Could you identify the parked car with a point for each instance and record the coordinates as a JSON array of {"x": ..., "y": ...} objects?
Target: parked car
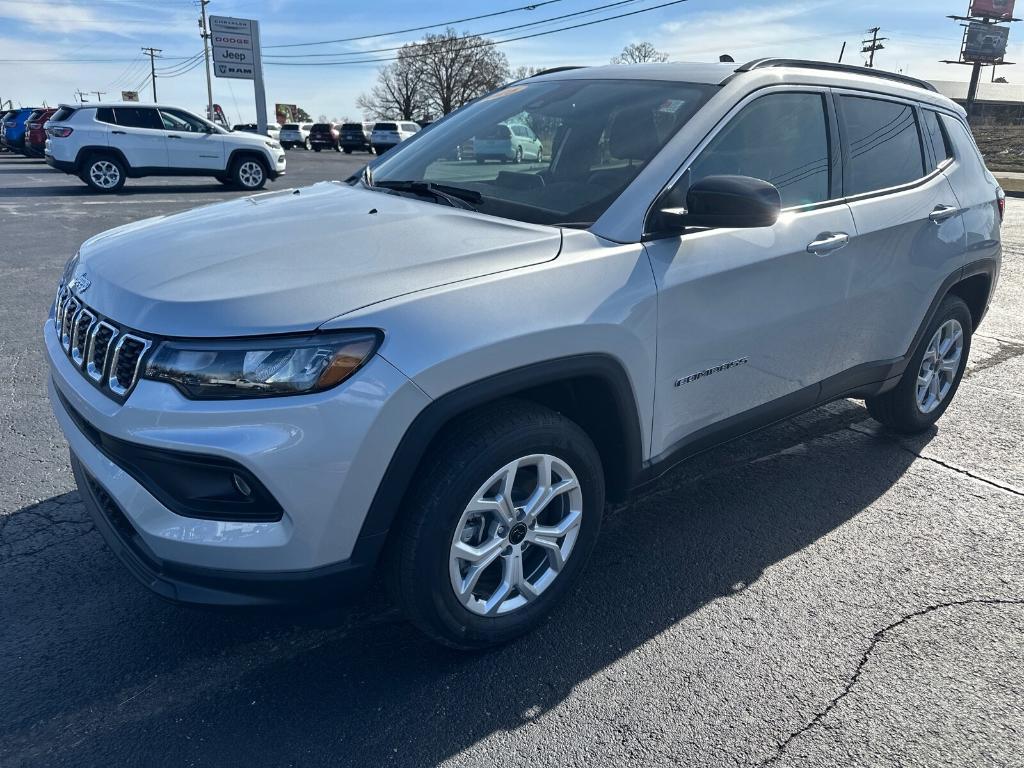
[
  {"x": 388, "y": 135},
  {"x": 258, "y": 416},
  {"x": 273, "y": 130},
  {"x": 104, "y": 144},
  {"x": 296, "y": 135},
  {"x": 508, "y": 143},
  {"x": 4, "y": 115},
  {"x": 355, "y": 137},
  {"x": 35, "y": 133},
  {"x": 325, "y": 136},
  {"x": 15, "y": 127}
]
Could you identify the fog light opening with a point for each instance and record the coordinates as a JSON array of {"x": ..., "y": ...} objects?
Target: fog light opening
[{"x": 241, "y": 486}]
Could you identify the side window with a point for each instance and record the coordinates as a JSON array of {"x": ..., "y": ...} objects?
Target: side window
[
  {"x": 174, "y": 120},
  {"x": 137, "y": 117},
  {"x": 105, "y": 115},
  {"x": 966, "y": 150},
  {"x": 781, "y": 138},
  {"x": 936, "y": 136},
  {"x": 885, "y": 146}
]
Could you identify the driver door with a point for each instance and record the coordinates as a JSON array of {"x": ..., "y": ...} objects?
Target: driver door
[
  {"x": 750, "y": 320},
  {"x": 190, "y": 144}
]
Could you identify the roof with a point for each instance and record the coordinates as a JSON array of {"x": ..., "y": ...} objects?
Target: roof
[
  {"x": 690, "y": 72},
  {"x": 994, "y": 93}
]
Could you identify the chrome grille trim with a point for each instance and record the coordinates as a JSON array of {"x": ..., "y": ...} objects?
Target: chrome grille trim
[
  {"x": 79, "y": 337},
  {"x": 94, "y": 373},
  {"x": 112, "y": 381},
  {"x": 79, "y": 329}
]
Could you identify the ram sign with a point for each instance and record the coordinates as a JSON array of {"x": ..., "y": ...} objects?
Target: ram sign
[
  {"x": 992, "y": 9},
  {"x": 985, "y": 43}
]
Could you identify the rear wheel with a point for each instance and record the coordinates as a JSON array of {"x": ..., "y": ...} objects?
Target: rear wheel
[
  {"x": 104, "y": 173},
  {"x": 249, "y": 173},
  {"x": 933, "y": 374},
  {"x": 347, "y": 151},
  {"x": 519, "y": 155},
  {"x": 316, "y": 149},
  {"x": 502, "y": 521},
  {"x": 307, "y": 144}
]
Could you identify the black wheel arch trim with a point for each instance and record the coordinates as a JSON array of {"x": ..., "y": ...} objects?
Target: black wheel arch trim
[
  {"x": 85, "y": 152},
  {"x": 432, "y": 419}
]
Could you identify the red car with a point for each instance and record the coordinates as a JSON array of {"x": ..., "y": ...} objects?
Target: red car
[{"x": 35, "y": 136}]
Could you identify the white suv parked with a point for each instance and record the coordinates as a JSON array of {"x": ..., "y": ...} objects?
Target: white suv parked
[
  {"x": 296, "y": 135},
  {"x": 444, "y": 369},
  {"x": 104, "y": 144},
  {"x": 389, "y": 134}
]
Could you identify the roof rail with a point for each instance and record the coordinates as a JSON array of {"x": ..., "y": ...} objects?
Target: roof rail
[
  {"x": 830, "y": 67},
  {"x": 553, "y": 70}
]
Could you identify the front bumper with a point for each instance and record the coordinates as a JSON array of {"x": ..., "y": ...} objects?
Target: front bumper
[{"x": 321, "y": 456}]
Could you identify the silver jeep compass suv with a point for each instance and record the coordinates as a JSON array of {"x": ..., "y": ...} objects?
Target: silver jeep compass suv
[{"x": 445, "y": 369}]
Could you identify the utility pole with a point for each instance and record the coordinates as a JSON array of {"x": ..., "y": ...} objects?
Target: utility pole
[
  {"x": 205, "y": 34},
  {"x": 842, "y": 51},
  {"x": 99, "y": 94},
  {"x": 152, "y": 66},
  {"x": 872, "y": 45},
  {"x": 81, "y": 96}
]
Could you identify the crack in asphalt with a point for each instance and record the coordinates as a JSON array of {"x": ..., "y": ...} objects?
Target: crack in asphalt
[
  {"x": 782, "y": 746},
  {"x": 1008, "y": 350}
]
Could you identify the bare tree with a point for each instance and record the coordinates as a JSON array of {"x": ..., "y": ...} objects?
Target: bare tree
[
  {"x": 456, "y": 69},
  {"x": 398, "y": 93},
  {"x": 639, "y": 53},
  {"x": 523, "y": 72}
]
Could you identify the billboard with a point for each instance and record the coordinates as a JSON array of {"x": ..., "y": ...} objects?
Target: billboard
[
  {"x": 286, "y": 113},
  {"x": 985, "y": 43},
  {"x": 992, "y": 9},
  {"x": 129, "y": 95}
]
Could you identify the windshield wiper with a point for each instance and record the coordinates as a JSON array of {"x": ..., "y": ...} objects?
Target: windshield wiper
[{"x": 457, "y": 197}]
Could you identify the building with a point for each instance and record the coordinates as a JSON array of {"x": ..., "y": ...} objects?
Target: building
[{"x": 996, "y": 103}]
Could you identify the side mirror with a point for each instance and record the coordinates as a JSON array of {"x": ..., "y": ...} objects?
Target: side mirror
[{"x": 727, "y": 202}]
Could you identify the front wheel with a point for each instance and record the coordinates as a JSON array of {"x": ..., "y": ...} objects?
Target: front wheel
[
  {"x": 249, "y": 174},
  {"x": 503, "y": 520},
  {"x": 933, "y": 374}
]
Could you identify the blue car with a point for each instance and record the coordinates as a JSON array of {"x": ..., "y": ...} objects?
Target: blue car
[{"x": 14, "y": 129}]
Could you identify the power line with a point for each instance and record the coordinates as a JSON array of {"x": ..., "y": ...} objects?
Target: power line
[
  {"x": 584, "y": 12},
  {"x": 531, "y": 7},
  {"x": 482, "y": 44}
]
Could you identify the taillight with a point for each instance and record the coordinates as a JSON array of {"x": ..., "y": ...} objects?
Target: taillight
[
  {"x": 1001, "y": 202},
  {"x": 33, "y": 126},
  {"x": 61, "y": 132}
]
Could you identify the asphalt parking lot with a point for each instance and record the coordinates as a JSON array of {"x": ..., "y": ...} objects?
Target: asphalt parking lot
[{"x": 818, "y": 594}]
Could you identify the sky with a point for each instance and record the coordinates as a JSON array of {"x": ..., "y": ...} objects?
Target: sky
[{"x": 51, "y": 48}]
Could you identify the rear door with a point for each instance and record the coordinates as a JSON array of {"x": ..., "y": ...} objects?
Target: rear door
[
  {"x": 748, "y": 319},
  {"x": 190, "y": 143},
  {"x": 138, "y": 133},
  {"x": 909, "y": 232}
]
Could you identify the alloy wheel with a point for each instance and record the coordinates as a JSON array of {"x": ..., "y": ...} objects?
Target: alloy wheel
[
  {"x": 104, "y": 174},
  {"x": 940, "y": 366},
  {"x": 514, "y": 538},
  {"x": 250, "y": 173}
]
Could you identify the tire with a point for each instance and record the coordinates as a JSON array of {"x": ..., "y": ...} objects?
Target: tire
[
  {"x": 244, "y": 174},
  {"x": 468, "y": 463},
  {"x": 540, "y": 155},
  {"x": 337, "y": 147},
  {"x": 907, "y": 409},
  {"x": 347, "y": 151},
  {"x": 307, "y": 145},
  {"x": 285, "y": 145},
  {"x": 519, "y": 156},
  {"x": 316, "y": 149},
  {"x": 104, "y": 173}
]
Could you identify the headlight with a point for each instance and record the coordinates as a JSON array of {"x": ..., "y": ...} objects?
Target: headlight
[
  {"x": 261, "y": 367},
  {"x": 272, "y": 144}
]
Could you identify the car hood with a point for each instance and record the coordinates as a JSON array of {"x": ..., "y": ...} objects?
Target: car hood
[{"x": 291, "y": 260}]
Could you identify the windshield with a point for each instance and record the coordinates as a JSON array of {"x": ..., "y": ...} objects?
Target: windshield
[{"x": 550, "y": 152}]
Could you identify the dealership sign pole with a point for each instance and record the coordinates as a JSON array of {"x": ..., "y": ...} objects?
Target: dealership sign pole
[
  {"x": 985, "y": 40},
  {"x": 236, "y": 55}
]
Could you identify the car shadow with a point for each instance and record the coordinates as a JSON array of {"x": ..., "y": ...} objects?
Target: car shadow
[
  {"x": 359, "y": 686},
  {"x": 129, "y": 190}
]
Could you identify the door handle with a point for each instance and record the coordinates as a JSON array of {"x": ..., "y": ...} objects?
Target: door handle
[
  {"x": 943, "y": 212},
  {"x": 827, "y": 242},
  {"x": 119, "y": 133},
  {"x": 173, "y": 136}
]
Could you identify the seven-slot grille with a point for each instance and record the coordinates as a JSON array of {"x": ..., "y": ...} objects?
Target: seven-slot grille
[{"x": 109, "y": 356}]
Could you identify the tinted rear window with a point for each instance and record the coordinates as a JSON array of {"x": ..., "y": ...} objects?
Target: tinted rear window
[
  {"x": 106, "y": 115},
  {"x": 936, "y": 136},
  {"x": 385, "y": 127},
  {"x": 290, "y": 127},
  {"x": 137, "y": 117},
  {"x": 322, "y": 127},
  {"x": 351, "y": 127},
  {"x": 885, "y": 147},
  {"x": 63, "y": 113}
]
